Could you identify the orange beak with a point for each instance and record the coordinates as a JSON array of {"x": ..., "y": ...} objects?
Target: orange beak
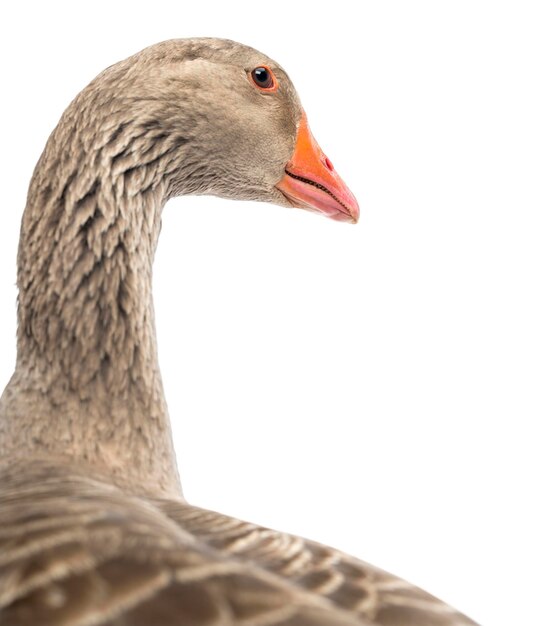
[{"x": 311, "y": 182}]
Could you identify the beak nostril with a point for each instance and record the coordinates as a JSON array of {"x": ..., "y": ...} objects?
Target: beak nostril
[{"x": 328, "y": 164}]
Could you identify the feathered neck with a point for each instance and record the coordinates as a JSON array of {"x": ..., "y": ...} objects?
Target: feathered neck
[{"x": 87, "y": 385}]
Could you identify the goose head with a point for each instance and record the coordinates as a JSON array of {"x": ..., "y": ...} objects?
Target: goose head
[
  {"x": 235, "y": 119},
  {"x": 183, "y": 117}
]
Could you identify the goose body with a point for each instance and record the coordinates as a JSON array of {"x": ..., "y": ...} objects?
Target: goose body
[{"x": 94, "y": 529}]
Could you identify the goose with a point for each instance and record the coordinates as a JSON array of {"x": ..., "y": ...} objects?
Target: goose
[{"x": 94, "y": 528}]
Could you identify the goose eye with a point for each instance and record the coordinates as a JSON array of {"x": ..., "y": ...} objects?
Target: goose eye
[{"x": 264, "y": 78}]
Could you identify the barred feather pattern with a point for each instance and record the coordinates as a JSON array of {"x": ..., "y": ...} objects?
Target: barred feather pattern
[{"x": 77, "y": 551}]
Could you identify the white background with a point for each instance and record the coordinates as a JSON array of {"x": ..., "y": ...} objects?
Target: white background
[{"x": 367, "y": 386}]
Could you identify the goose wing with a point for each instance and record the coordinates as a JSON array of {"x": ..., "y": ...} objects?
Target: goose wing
[
  {"x": 366, "y": 592},
  {"x": 76, "y": 551}
]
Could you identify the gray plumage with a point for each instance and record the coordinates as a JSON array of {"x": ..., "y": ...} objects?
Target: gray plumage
[{"x": 94, "y": 529}]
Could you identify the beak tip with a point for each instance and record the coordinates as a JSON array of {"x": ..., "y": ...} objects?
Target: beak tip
[{"x": 353, "y": 208}]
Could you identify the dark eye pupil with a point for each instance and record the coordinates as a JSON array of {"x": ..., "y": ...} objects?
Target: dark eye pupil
[{"x": 261, "y": 75}]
